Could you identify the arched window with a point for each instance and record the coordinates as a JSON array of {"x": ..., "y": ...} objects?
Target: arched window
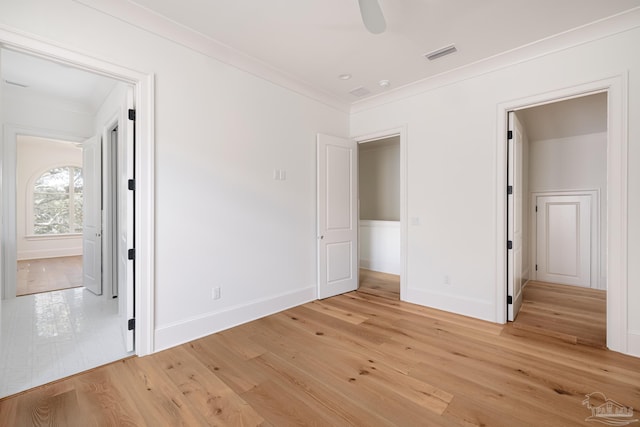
[{"x": 57, "y": 201}]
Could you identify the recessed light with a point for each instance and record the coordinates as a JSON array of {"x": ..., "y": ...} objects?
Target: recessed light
[
  {"x": 345, "y": 76},
  {"x": 384, "y": 83}
]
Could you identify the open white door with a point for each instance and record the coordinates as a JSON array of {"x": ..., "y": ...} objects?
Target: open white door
[
  {"x": 514, "y": 218},
  {"x": 92, "y": 215},
  {"x": 337, "y": 216},
  {"x": 126, "y": 291}
]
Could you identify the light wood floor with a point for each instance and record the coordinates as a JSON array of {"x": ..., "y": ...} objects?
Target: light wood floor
[
  {"x": 49, "y": 274},
  {"x": 570, "y": 313},
  {"x": 381, "y": 284},
  {"x": 358, "y": 359}
]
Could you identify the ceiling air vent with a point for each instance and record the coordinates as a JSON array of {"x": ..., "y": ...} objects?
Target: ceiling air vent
[
  {"x": 15, "y": 83},
  {"x": 439, "y": 53},
  {"x": 360, "y": 91}
]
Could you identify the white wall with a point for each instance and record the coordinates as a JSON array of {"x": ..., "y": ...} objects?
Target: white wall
[
  {"x": 574, "y": 163},
  {"x": 380, "y": 246},
  {"x": 452, "y": 169},
  {"x": 36, "y": 156},
  {"x": 221, "y": 219},
  {"x": 379, "y": 179}
]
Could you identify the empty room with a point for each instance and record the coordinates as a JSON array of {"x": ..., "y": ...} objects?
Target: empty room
[{"x": 319, "y": 213}]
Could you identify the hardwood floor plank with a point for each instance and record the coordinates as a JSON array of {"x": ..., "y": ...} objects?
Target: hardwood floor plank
[
  {"x": 571, "y": 313},
  {"x": 346, "y": 409},
  {"x": 236, "y": 372},
  {"x": 216, "y": 401},
  {"x": 361, "y": 359}
]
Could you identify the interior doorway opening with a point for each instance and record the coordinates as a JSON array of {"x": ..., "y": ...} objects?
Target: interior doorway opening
[
  {"x": 84, "y": 326},
  {"x": 379, "y": 216},
  {"x": 557, "y": 218}
]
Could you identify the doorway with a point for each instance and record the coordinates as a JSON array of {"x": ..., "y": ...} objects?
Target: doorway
[
  {"x": 379, "y": 216},
  {"x": 55, "y": 334},
  {"x": 338, "y": 219},
  {"x": 557, "y": 223},
  {"x": 49, "y": 193}
]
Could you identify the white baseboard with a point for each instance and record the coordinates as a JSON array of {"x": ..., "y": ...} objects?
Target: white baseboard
[
  {"x": 633, "y": 343},
  {"x": 197, "y": 327},
  {"x": 49, "y": 253},
  {"x": 383, "y": 267},
  {"x": 471, "y": 307}
]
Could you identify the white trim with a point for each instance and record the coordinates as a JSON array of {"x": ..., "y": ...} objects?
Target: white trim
[
  {"x": 595, "y": 279},
  {"x": 144, "y": 221},
  {"x": 617, "y": 153},
  {"x": 402, "y": 132},
  {"x": 593, "y": 31},
  {"x": 473, "y": 307},
  {"x": 109, "y": 195},
  {"x": 51, "y": 253},
  {"x": 209, "y": 323},
  {"x": 152, "y": 22},
  {"x": 633, "y": 339}
]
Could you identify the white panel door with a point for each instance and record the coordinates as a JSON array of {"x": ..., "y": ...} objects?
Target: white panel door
[
  {"x": 92, "y": 215},
  {"x": 125, "y": 221},
  {"x": 564, "y": 240},
  {"x": 514, "y": 218},
  {"x": 337, "y": 216}
]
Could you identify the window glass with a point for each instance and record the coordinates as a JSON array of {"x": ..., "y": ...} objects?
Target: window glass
[{"x": 57, "y": 201}]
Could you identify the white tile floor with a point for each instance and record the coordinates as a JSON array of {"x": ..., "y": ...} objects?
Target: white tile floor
[{"x": 48, "y": 336}]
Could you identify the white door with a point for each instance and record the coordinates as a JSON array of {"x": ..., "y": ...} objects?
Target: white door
[
  {"x": 563, "y": 227},
  {"x": 337, "y": 216},
  {"x": 514, "y": 218},
  {"x": 92, "y": 215},
  {"x": 125, "y": 221}
]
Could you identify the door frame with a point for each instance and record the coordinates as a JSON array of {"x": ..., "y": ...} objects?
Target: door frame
[
  {"x": 616, "y": 88},
  {"x": 143, "y": 84},
  {"x": 596, "y": 255},
  {"x": 402, "y": 132}
]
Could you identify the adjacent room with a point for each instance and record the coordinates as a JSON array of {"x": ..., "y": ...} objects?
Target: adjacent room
[{"x": 330, "y": 212}]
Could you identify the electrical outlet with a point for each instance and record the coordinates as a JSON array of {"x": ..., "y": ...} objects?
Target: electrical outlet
[{"x": 215, "y": 292}]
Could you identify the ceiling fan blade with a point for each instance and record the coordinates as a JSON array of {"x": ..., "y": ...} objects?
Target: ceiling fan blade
[{"x": 372, "y": 16}]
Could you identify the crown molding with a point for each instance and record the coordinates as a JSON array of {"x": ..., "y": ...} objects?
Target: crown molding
[
  {"x": 152, "y": 22},
  {"x": 593, "y": 31}
]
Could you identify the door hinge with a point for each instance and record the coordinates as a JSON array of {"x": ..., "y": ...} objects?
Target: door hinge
[
  {"x": 510, "y": 189},
  {"x": 131, "y": 184},
  {"x": 131, "y": 254},
  {"x": 536, "y": 267},
  {"x": 536, "y": 209},
  {"x": 509, "y": 244},
  {"x": 509, "y": 299},
  {"x": 131, "y": 324},
  {"x": 132, "y": 114},
  {"x": 509, "y": 134}
]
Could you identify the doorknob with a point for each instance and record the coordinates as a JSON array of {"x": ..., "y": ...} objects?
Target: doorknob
[{"x": 321, "y": 237}]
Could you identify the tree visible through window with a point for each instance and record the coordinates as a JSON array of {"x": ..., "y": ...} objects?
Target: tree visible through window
[{"x": 57, "y": 201}]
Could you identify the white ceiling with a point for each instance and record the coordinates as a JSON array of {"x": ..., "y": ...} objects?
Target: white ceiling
[
  {"x": 314, "y": 41},
  {"x": 573, "y": 117},
  {"x": 42, "y": 77}
]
